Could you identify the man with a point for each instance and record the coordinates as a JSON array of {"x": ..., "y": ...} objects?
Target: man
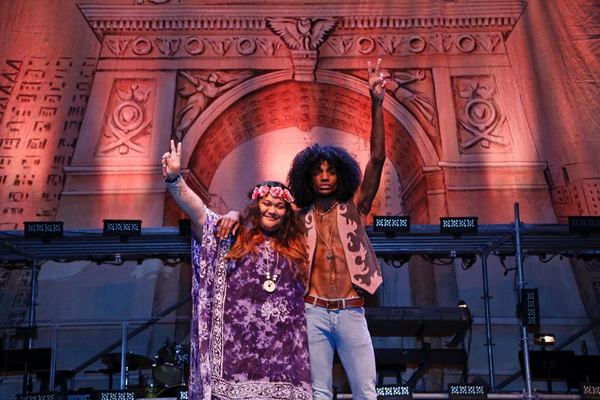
[{"x": 325, "y": 181}]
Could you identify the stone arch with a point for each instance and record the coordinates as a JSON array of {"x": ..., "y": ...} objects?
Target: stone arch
[
  {"x": 274, "y": 101},
  {"x": 220, "y": 105}
]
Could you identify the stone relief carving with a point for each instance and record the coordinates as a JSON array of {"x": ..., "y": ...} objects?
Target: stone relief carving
[
  {"x": 414, "y": 44},
  {"x": 197, "y": 90},
  {"x": 419, "y": 101},
  {"x": 128, "y": 119},
  {"x": 268, "y": 46},
  {"x": 186, "y": 46},
  {"x": 303, "y": 36},
  {"x": 480, "y": 120},
  {"x": 341, "y": 44},
  {"x": 302, "y": 33},
  {"x": 8, "y": 80},
  {"x": 220, "y": 47},
  {"x": 167, "y": 47},
  {"x": 118, "y": 46},
  {"x": 42, "y": 103}
]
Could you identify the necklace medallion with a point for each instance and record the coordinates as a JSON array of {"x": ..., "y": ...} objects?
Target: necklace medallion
[{"x": 269, "y": 285}]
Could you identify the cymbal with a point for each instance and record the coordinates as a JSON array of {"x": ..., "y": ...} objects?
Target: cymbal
[{"x": 132, "y": 361}]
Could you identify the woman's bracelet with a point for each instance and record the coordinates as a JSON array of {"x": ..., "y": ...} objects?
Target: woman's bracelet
[{"x": 173, "y": 181}]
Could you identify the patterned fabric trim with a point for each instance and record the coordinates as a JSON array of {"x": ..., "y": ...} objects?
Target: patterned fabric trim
[{"x": 258, "y": 390}]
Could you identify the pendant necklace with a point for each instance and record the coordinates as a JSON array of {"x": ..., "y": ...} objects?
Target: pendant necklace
[
  {"x": 329, "y": 251},
  {"x": 270, "y": 282},
  {"x": 324, "y": 213}
]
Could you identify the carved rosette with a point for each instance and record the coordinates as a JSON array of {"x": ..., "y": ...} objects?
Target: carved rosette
[
  {"x": 128, "y": 119},
  {"x": 481, "y": 122}
]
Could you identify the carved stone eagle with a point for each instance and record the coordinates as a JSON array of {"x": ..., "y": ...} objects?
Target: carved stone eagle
[{"x": 302, "y": 33}]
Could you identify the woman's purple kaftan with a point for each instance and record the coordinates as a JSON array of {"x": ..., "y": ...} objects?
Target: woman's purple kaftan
[{"x": 246, "y": 343}]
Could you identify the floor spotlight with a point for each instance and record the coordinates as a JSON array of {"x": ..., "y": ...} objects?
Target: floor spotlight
[
  {"x": 38, "y": 396},
  {"x": 44, "y": 230},
  {"x": 123, "y": 228},
  {"x": 116, "y": 395},
  {"x": 458, "y": 225},
  {"x": 467, "y": 392},
  {"x": 393, "y": 392},
  {"x": 391, "y": 224},
  {"x": 584, "y": 224},
  {"x": 590, "y": 391}
]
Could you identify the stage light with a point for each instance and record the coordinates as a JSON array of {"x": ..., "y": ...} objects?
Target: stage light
[
  {"x": 391, "y": 224},
  {"x": 393, "y": 392},
  {"x": 530, "y": 308},
  {"x": 38, "y": 396},
  {"x": 458, "y": 225},
  {"x": 466, "y": 392},
  {"x": 590, "y": 391},
  {"x": 584, "y": 224},
  {"x": 116, "y": 395},
  {"x": 122, "y": 228},
  {"x": 45, "y": 230},
  {"x": 544, "y": 339}
]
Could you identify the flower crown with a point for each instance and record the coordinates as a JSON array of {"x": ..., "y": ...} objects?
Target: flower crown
[{"x": 275, "y": 191}]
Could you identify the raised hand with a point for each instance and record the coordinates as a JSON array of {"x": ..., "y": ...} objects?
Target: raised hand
[
  {"x": 376, "y": 81},
  {"x": 171, "y": 161}
]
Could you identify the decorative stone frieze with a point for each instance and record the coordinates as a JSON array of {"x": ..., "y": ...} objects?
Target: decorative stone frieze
[
  {"x": 146, "y": 16},
  {"x": 456, "y": 43},
  {"x": 186, "y": 46}
]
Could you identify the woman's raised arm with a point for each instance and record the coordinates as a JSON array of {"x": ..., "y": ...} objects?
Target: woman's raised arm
[{"x": 186, "y": 199}]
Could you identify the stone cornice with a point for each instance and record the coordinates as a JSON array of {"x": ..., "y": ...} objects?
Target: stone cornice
[{"x": 399, "y": 14}]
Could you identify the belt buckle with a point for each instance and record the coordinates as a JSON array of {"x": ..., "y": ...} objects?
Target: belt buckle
[{"x": 335, "y": 304}]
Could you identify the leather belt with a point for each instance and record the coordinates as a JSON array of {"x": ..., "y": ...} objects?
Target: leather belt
[{"x": 336, "y": 304}]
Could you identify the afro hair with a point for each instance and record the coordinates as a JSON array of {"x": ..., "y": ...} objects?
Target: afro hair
[{"x": 303, "y": 167}]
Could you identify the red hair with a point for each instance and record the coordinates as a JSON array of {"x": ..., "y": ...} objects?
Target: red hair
[{"x": 288, "y": 239}]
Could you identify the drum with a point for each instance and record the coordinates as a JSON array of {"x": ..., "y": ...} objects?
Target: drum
[{"x": 171, "y": 365}]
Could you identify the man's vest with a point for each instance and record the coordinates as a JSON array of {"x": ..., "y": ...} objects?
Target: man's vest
[{"x": 360, "y": 256}]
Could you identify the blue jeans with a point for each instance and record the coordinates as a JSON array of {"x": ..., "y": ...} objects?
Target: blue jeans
[{"x": 347, "y": 331}]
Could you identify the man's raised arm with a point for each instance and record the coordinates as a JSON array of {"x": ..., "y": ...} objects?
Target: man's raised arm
[{"x": 374, "y": 168}]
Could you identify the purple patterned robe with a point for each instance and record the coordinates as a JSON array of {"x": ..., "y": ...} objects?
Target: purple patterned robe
[{"x": 246, "y": 343}]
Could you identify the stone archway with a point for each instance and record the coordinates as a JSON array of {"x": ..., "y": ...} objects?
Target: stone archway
[{"x": 305, "y": 105}]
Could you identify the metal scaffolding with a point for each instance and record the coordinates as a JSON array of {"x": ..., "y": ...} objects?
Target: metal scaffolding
[{"x": 168, "y": 244}]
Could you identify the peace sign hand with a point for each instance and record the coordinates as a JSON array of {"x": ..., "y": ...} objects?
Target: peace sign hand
[
  {"x": 376, "y": 81},
  {"x": 171, "y": 161}
]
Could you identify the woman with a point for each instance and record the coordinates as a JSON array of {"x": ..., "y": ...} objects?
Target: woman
[{"x": 248, "y": 338}]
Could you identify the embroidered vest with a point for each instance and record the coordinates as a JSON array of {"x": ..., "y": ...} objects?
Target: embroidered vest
[{"x": 360, "y": 256}]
